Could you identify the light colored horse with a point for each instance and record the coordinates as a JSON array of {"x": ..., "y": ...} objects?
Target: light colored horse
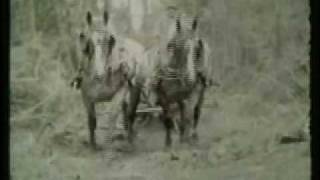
[{"x": 109, "y": 72}]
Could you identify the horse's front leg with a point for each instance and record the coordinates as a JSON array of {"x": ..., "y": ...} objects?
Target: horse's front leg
[
  {"x": 92, "y": 123},
  {"x": 91, "y": 116},
  {"x": 181, "y": 123},
  {"x": 118, "y": 114},
  {"x": 187, "y": 111},
  {"x": 197, "y": 113},
  {"x": 168, "y": 124},
  {"x": 130, "y": 111},
  {"x": 198, "y": 99}
]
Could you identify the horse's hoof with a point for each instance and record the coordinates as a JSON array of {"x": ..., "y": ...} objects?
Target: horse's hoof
[
  {"x": 120, "y": 137},
  {"x": 135, "y": 134},
  {"x": 92, "y": 146},
  {"x": 127, "y": 147},
  {"x": 85, "y": 143},
  {"x": 97, "y": 148},
  {"x": 195, "y": 137},
  {"x": 183, "y": 140},
  {"x": 193, "y": 140},
  {"x": 168, "y": 144},
  {"x": 132, "y": 137},
  {"x": 167, "y": 148},
  {"x": 174, "y": 157},
  {"x": 189, "y": 141}
]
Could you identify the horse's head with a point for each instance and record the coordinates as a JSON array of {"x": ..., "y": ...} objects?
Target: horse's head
[
  {"x": 86, "y": 46},
  {"x": 96, "y": 42},
  {"x": 103, "y": 40},
  {"x": 185, "y": 47},
  {"x": 85, "y": 40}
]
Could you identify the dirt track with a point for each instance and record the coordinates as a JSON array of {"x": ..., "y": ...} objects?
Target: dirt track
[
  {"x": 230, "y": 147},
  {"x": 260, "y": 53}
]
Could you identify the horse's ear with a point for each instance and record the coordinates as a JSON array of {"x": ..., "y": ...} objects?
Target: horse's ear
[
  {"x": 170, "y": 46},
  {"x": 89, "y": 18},
  {"x": 111, "y": 43},
  {"x": 195, "y": 24},
  {"x": 105, "y": 17},
  {"x": 199, "y": 50},
  {"x": 178, "y": 25},
  {"x": 200, "y": 43},
  {"x": 89, "y": 49}
]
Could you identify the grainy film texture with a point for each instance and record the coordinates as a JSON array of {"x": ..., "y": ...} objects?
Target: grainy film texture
[{"x": 159, "y": 89}]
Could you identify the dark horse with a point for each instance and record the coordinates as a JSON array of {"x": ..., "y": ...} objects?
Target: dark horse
[
  {"x": 177, "y": 78},
  {"x": 183, "y": 82}
]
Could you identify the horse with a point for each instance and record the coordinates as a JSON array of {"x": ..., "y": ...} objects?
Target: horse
[
  {"x": 108, "y": 73},
  {"x": 175, "y": 78},
  {"x": 128, "y": 73},
  {"x": 183, "y": 82}
]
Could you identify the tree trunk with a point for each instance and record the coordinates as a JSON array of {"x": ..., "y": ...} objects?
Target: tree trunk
[
  {"x": 278, "y": 40},
  {"x": 32, "y": 19}
]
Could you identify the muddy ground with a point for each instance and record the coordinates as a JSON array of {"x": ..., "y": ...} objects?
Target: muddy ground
[{"x": 239, "y": 139}]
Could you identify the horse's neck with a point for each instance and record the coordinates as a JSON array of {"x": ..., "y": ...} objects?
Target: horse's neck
[
  {"x": 191, "y": 66},
  {"x": 178, "y": 61},
  {"x": 90, "y": 71}
]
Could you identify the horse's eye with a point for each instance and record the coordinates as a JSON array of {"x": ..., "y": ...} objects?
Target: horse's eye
[
  {"x": 81, "y": 36},
  {"x": 170, "y": 46}
]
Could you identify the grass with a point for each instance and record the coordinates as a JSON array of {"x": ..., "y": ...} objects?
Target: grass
[
  {"x": 257, "y": 102},
  {"x": 240, "y": 132}
]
